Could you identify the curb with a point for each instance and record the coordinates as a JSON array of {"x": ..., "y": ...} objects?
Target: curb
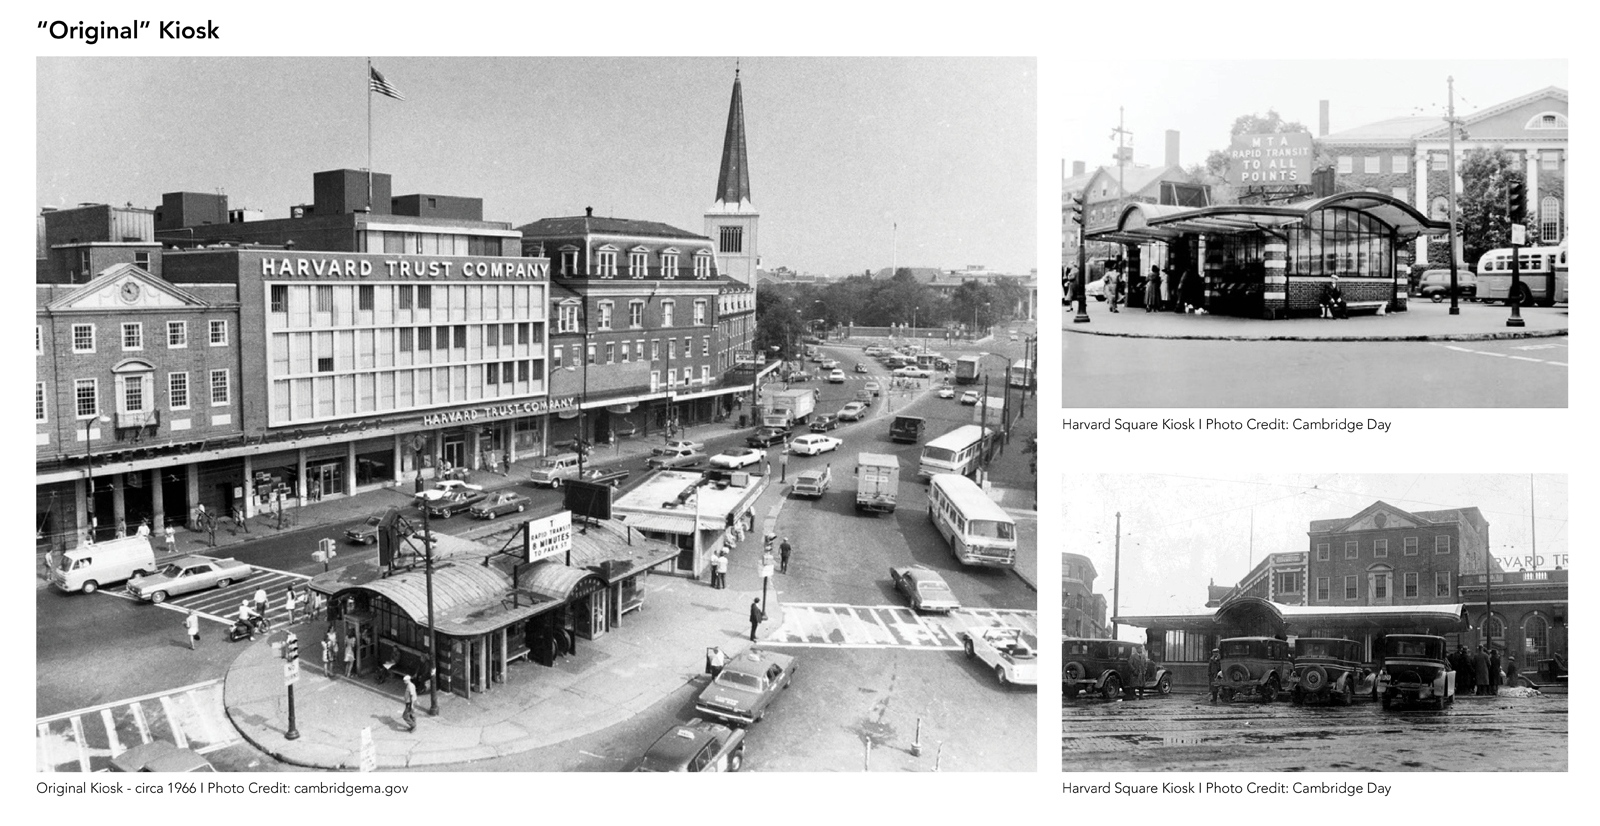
[{"x": 1417, "y": 337}]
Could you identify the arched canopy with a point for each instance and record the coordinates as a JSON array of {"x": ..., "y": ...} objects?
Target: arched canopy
[{"x": 1141, "y": 222}]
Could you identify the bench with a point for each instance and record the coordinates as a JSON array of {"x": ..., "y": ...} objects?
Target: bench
[{"x": 1378, "y": 307}]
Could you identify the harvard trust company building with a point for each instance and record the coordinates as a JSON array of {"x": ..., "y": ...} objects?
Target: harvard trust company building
[{"x": 194, "y": 356}]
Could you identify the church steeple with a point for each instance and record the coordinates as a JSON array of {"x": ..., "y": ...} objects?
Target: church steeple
[{"x": 733, "y": 181}]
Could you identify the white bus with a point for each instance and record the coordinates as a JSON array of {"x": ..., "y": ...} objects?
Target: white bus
[
  {"x": 959, "y": 452},
  {"x": 1539, "y": 270},
  {"x": 979, "y": 532},
  {"x": 1022, "y": 374}
]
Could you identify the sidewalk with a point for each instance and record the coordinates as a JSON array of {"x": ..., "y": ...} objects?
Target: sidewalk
[{"x": 1422, "y": 321}]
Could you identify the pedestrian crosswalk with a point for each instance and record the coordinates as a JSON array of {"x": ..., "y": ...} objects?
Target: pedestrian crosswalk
[
  {"x": 824, "y": 625},
  {"x": 87, "y": 739},
  {"x": 221, "y": 605}
]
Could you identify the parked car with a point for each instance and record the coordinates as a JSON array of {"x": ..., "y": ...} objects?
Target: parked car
[
  {"x": 925, "y": 589},
  {"x": 829, "y": 364},
  {"x": 451, "y": 504},
  {"x": 612, "y": 476},
  {"x": 1110, "y": 667},
  {"x": 738, "y": 457},
  {"x": 812, "y": 444},
  {"x": 675, "y": 459},
  {"x": 795, "y": 376},
  {"x": 696, "y": 746},
  {"x": 865, "y": 397},
  {"x": 970, "y": 397},
  {"x": 823, "y": 423},
  {"x": 744, "y": 691},
  {"x": 1011, "y": 652},
  {"x": 676, "y": 445},
  {"x": 160, "y": 756},
  {"x": 552, "y": 469},
  {"x": 947, "y": 392},
  {"x": 366, "y": 533},
  {"x": 440, "y": 489},
  {"x": 1325, "y": 670},
  {"x": 500, "y": 504},
  {"x": 875, "y": 388},
  {"x": 913, "y": 373},
  {"x": 1013, "y": 334},
  {"x": 852, "y": 412},
  {"x": 1415, "y": 670},
  {"x": 1435, "y": 284},
  {"x": 813, "y": 482},
  {"x": 859, "y": 368},
  {"x": 765, "y": 436},
  {"x": 186, "y": 575},
  {"x": 1254, "y": 665}
]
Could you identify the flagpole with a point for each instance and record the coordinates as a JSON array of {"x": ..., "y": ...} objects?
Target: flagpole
[{"x": 369, "y": 136}]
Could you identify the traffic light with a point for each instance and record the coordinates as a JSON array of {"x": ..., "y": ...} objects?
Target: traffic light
[
  {"x": 1517, "y": 201},
  {"x": 291, "y": 648},
  {"x": 1077, "y": 209}
]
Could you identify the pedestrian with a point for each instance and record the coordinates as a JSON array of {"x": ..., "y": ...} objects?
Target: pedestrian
[
  {"x": 1465, "y": 672},
  {"x": 1152, "y": 290},
  {"x": 783, "y": 556},
  {"x": 1494, "y": 671},
  {"x": 1480, "y": 669},
  {"x": 327, "y": 659},
  {"x": 291, "y": 601},
  {"x": 144, "y": 527},
  {"x": 191, "y": 625},
  {"x": 1111, "y": 287},
  {"x": 783, "y": 459},
  {"x": 1214, "y": 672},
  {"x": 122, "y": 527},
  {"x": 1511, "y": 670},
  {"x": 715, "y": 660},
  {"x": 1169, "y": 285},
  {"x": 349, "y": 658},
  {"x": 238, "y": 518},
  {"x": 721, "y": 578},
  {"x": 409, "y": 714},
  {"x": 756, "y": 616},
  {"x": 261, "y": 601}
]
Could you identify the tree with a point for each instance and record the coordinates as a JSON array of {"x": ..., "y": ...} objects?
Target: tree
[
  {"x": 1484, "y": 222},
  {"x": 777, "y": 323}
]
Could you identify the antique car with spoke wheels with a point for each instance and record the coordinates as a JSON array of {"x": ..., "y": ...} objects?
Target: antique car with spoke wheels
[
  {"x": 1325, "y": 670},
  {"x": 1254, "y": 665},
  {"x": 1415, "y": 670},
  {"x": 1110, "y": 667}
]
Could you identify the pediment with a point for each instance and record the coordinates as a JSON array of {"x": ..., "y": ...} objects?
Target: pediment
[
  {"x": 125, "y": 287},
  {"x": 1379, "y": 517}
]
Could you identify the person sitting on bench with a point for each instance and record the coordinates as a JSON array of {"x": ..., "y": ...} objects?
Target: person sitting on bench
[{"x": 1333, "y": 305}]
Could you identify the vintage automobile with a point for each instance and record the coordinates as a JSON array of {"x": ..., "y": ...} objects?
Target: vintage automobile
[
  {"x": 864, "y": 396},
  {"x": 1414, "y": 669},
  {"x": 859, "y": 368},
  {"x": 1435, "y": 284},
  {"x": 677, "y": 458},
  {"x": 822, "y": 423},
  {"x": 1110, "y": 667},
  {"x": 612, "y": 476},
  {"x": 739, "y": 457},
  {"x": 440, "y": 489},
  {"x": 453, "y": 503},
  {"x": 829, "y": 364},
  {"x": 1326, "y": 670},
  {"x": 676, "y": 445},
  {"x": 946, "y": 391},
  {"x": 552, "y": 469},
  {"x": 970, "y": 397},
  {"x": 499, "y": 504},
  {"x": 913, "y": 373},
  {"x": 160, "y": 756},
  {"x": 1012, "y": 653},
  {"x": 813, "y": 482},
  {"x": 875, "y": 388},
  {"x": 797, "y": 376},
  {"x": 836, "y": 377},
  {"x": 748, "y": 684},
  {"x": 186, "y": 575},
  {"x": 925, "y": 589},
  {"x": 366, "y": 533},
  {"x": 852, "y": 412},
  {"x": 1254, "y": 665},
  {"x": 696, "y": 746},
  {"x": 813, "y": 444},
  {"x": 765, "y": 436}
]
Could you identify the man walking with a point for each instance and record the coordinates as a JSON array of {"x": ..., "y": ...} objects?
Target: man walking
[
  {"x": 1214, "y": 671},
  {"x": 290, "y": 603},
  {"x": 722, "y": 570},
  {"x": 261, "y": 602},
  {"x": 172, "y": 539},
  {"x": 1480, "y": 668},
  {"x": 783, "y": 556},
  {"x": 755, "y": 617},
  {"x": 409, "y": 715},
  {"x": 191, "y": 626},
  {"x": 327, "y": 658}
]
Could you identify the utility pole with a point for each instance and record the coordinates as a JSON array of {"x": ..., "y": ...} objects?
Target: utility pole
[
  {"x": 1121, "y": 134},
  {"x": 1116, "y": 578},
  {"x": 1455, "y": 308}
]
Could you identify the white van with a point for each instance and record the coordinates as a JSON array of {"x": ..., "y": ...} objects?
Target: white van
[
  {"x": 553, "y": 469},
  {"x": 88, "y": 567}
]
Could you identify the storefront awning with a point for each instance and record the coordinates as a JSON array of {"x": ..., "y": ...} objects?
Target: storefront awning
[
  {"x": 559, "y": 582},
  {"x": 621, "y": 409},
  {"x": 1297, "y": 619},
  {"x": 664, "y": 523}
]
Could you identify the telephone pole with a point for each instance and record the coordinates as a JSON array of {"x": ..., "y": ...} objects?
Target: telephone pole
[
  {"x": 1116, "y": 578},
  {"x": 1455, "y": 308}
]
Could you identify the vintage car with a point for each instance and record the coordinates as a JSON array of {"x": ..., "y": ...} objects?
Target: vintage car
[
  {"x": 748, "y": 684},
  {"x": 797, "y": 376},
  {"x": 813, "y": 444},
  {"x": 1435, "y": 284},
  {"x": 1012, "y": 653},
  {"x": 676, "y": 445},
  {"x": 366, "y": 533},
  {"x": 696, "y": 746},
  {"x": 1326, "y": 670},
  {"x": 925, "y": 589},
  {"x": 864, "y": 397},
  {"x": 677, "y": 458},
  {"x": 1257, "y": 666},
  {"x": 159, "y": 756},
  {"x": 859, "y": 368},
  {"x": 913, "y": 373},
  {"x": 822, "y": 423},
  {"x": 1110, "y": 667},
  {"x": 946, "y": 391},
  {"x": 612, "y": 476},
  {"x": 739, "y": 457},
  {"x": 813, "y": 482},
  {"x": 554, "y": 468},
  {"x": 765, "y": 436},
  {"x": 186, "y": 575},
  {"x": 873, "y": 387},
  {"x": 852, "y": 412},
  {"x": 499, "y": 504},
  {"x": 836, "y": 377},
  {"x": 453, "y": 503},
  {"x": 969, "y": 397},
  {"x": 440, "y": 489},
  {"x": 829, "y": 364},
  {"x": 1414, "y": 669}
]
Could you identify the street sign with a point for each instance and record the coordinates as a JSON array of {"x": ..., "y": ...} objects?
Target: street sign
[
  {"x": 369, "y": 752},
  {"x": 1519, "y": 235},
  {"x": 291, "y": 672},
  {"x": 549, "y": 536},
  {"x": 1273, "y": 159}
]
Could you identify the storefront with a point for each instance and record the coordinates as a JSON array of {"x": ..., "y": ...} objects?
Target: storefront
[{"x": 1277, "y": 260}]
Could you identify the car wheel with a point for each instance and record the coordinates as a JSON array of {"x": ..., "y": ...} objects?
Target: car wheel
[
  {"x": 736, "y": 760},
  {"x": 1164, "y": 685},
  {"x": 1000, "y": 674},
  {"x": 492, "y": 514},
  {"x": 1112, "y": 687},
  {"x": 1437, "y": 298},
  {"x": 158, "y": 597},
  {"x": 90, "y": 586},
  {"x": 1074, "y": 671},
  {"x": 971, "y": 652},
  {"x": 520, "y": 508},
  {"x": 224, "y": 582},
  {"x": 1526, "y": 295},
  {"x": 555, "y": 483}
]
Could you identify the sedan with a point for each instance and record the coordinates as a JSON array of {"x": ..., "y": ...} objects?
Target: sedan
[
  {"x": 696, "y": 746},
  {"x": 676, "y": 445},
  {"x": 969, "y": 397},
  {"x": 836, "y": 377},
  {"x": 860, "y": 368},
  {"x": 765, "y": 436},
  {"x": 913, "y": 373},
  {"x": 852, "y": 412},
  {"x": 612, "y": 476},
  {"x": 947, "y": 392},
  {"x": 747, "y": 685},
  {"x": 500, "y": 504},
  {"x": 876, "y": 388},
  {"x": 738, "y": 457},
  {"x": 829, "y": 364},
  {"x": 814, "y": 444},
  {"x": 925, "y": 589},
  {"x": 454, "y": 503}
]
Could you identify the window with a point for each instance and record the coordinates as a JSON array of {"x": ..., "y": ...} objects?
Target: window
[
  {"x": 638, "y": 350},
  {"x": 672, "y": 378},
  {"x": 83, "y": 338},
  {"x": 219, "y": 387},
  {"x": 590, "y": 354},
  {"x": 217, "y": 330},
  {"x": 567, "y": 320},
  {"x": 1549, "y": 219},
  {"x": 705, "y": 374},
  {"x": 405, "y": 296},
  {"x": 460, "y": 334},
  {"x": 1550, "y": 159},
  {"x": 1351, "y": 588},
  {"x": 38, "y": 340},
  {"x": 1439, "y": 161},
  {"x": 177, "y": 335},
  {"x": 624, "y": 352},
  {"x": 1380, "y": 586},
  {"x": 655, "y": 349},
  {"x": 1410, "y": 546},
  {"x": 730, "y": 239},
  {"x": 699, "y": 312},
  {"x": 522, "y": 370},
  {"x": 1347, "y": 164},
  {"x": 278, "y": 298},
  {"x": 611, "y": 353},
  {"x": 1323, "y": 589},
  {"x": 86, "y": 395},
  {"x": 424, "y": 338},
  {"x": 1350, "y": 551},
  {"x": 491, "y": 373},
  {"x": 1289, "y": 582},
  {"x": 522, "y": 332},
  {"x": 1441, "y": 544},
  {"x": 555, "y": 357},
  {"x": 606, "y": 261},
  {"x": 636, "y": 314},
  {"x": 133, "y": 394},
  {"x": 1408, "y": 584},
  {"x": 569, "y": 262},
  {"x": 424, "y": 296},
  {"x": 492, "y": 333},
  {"x": 1399, "y": 164},
  {"x": 637, "y": 264},
  {"x": 142, "y": 260},
  {"x": 178, "y": 391},
  {"x": 1441, "y": 583},
  {"x": 405, "y": 339},
  {"x": 669, "y": 265},
  {"x": 1324, "y": 553},
  {"x": 364, "y": 296},
  {"x": 1380, "y": 548},
  {"x": 702, "y": 265},
  {"x": 325, "y": 364},
  {"x": 705, "y": 346},
  {"x": 324, "y": 299},
  {"x": 132, "y": 335},
  {"x": 668, "y": 309},
  {"x": 1371, "y": 164},
  {"x": 441, "y": 338},
  {"x": 605, "y": 315},
  {"x": 38, "y": 401}
]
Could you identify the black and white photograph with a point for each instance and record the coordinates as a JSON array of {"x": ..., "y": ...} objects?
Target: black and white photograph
[
  {"x": 1340, "y": 622},
  {"x": 1317, "y": 233},
  {"x": 474, "y": 414}
]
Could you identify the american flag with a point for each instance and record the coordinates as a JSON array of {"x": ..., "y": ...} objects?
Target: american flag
[{"x": 382, "y": 87}]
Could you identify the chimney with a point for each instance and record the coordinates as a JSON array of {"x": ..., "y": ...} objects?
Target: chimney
[
  {"x": 1077, "y": 168},
  {"x": 1172, "y": 147},
  {"x": 1322, "y": 118},
  {"x": 588, "y": 212}
]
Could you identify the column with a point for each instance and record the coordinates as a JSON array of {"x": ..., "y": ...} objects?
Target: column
[
  {"x": 191, "y": 483},
  {"x": 1275, "y": 289},
  {"x": 398, "y": 457},
  {"x": 119, "y": 513},
  {"x": 248, "y": 507},
  {"x": 80, "y": 517},
  {"x": 158, "y": 505},
  {"x": 304, "y": 486},
  {"x": 350, "y": 468},
  {"x": 1532, "y": 170},
  {"x": 1422, "y": 204}
]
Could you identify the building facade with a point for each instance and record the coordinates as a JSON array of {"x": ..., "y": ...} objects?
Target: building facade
[
  {"x": 1386, "y": 556},
  {"x": 1083, "y": 612}
]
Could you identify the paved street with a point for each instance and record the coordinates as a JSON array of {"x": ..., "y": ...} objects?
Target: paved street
[{"x": 1186, "y": 732}]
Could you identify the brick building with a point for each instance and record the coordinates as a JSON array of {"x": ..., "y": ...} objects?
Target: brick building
[
  {"x": 1083, "y": 612},
  {"x": 1386, "y": 556}
]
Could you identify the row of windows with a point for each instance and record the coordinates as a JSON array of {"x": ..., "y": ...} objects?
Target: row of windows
[
  {"x": 299, "y": 353},
  {"x": 135, "y": 393},
  {"x": 322, "y": 305},
  {"x": 557, "y": 355},
  {"x": 430, "y": 243},
  {"x": 1437, "y": 162},
  {"x": 567, "y": 315},
  {"x": 381, "y": 391},
  {"x": 83, "y": 335},
  {"x": 1410, "y": 586},
  {"x": 1380, "y": 548},
  {"x": 605, "y": 263}
]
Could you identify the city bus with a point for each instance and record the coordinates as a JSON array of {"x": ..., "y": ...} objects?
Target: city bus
[
  {"x": 979, "y": 532},
  {"x": 967, "y": 369},
  {"x": 1538, "y": 275},
  {"x": 1561, "y": 277},
  {"x": 1022, "y": 374},
  {"x": 960, "y": 451}
]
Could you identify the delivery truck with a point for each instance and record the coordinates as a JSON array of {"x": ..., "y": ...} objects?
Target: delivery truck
[
  {"x": 787, "y": 408},
  {"x": 877, "y": 482}
]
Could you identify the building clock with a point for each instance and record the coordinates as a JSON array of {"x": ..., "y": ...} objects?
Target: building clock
[{"x": 130, "y": 291}]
